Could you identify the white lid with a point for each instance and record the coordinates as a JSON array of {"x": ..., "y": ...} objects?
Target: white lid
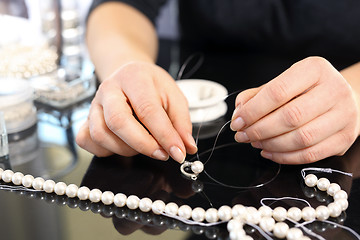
[{"x": 14, "y": 91}]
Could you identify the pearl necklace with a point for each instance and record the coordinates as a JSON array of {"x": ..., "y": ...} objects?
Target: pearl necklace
[{"x": 268, "y": 219}]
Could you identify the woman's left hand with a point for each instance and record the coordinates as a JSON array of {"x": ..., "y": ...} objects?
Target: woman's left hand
[{"x": 306, "y": 114}]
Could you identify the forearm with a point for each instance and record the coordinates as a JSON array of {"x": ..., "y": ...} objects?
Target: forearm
[{"x": 117, "y": 34}]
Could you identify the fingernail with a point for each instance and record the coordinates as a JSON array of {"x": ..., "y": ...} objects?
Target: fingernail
[
  {"x": 234, "y": 113},
  {"x": 177, "y": 154},
  {"x": 192, "y": 141},
  {"x": 266, "y": 154},
  {"x": 237, "y": 124},
  {"x": 160, "y": 154},
  {"x": 241, "y": 137},
  {"x": 256, "y": 144}
]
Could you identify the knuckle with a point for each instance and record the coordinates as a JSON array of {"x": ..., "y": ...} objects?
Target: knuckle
[
  {"x": 278, "y": 92},
  {"x": 115, "y": 122},
  {"x": 97, "y": 135},
  {"x": 310, "y": 156},
  {"x": 81, "y": 140},
  {"x": 254, "y": 133},
  {"x": 144, "y": 109},
  {"x": 292, "y": 116},
  {"x": 306, "y": 137}
]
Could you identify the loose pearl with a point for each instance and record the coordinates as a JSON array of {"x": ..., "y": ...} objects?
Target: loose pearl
[
  {"x": 145, "y": 204},
  {"x": 95, "y": 195},
  {"x": 171, "y": 209},
  {"x": 341, "y": 194},
  {"x": 333, "y": 188},
  {"x": 224, "y": 213},
  {"x": 83, "y": 193},
  {"x": 60, "y": 188},
  {"x": 107, "y": 198},
  {"x": 294, "y": 234},
  {"x": 238, "y": 234},
  {"x": 49, "y": 186},
  {"x": 211, "y": 215},
  {"x": 17, "y": 178},
  {"x": 308, "y": 213},
  {"x": 185, "y": 212},
  {"x": 265, "y": 211},
  {"x": 234, "y": 224},
  {"x": 279, "y": 214},
  {"x": 38, "y": 183},
  {"x": 311, "y": 180},
  {"x": 323, "y": 184},
  {"x": 132, "y": 202},
  {"x": 253, "y": 215},
  {"x": 71, "y": 190},
  {"x": 335, "y": 209},
  {"x": 343, "y": 203},
  {"x": 267, "y": 224},
  {"x": 120, "y": 199},
  {"x": 197, "y": 167},
  {"x": 158, "y": 207},
  {"x": 322, "y": 213},
  {"x": 198, "y": 214},
  {"x": 239, "y": 211},
  {"x": 7, "y": 176},
  {"x": 280, "y": 230},
  {"x": 294, "y": 213}
]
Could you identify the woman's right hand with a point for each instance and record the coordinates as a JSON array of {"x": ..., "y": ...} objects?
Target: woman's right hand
[{"x": 138, "y": 109}]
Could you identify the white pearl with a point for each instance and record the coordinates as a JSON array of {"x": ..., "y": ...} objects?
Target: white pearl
[
  {"x": 145, "y": 204},
  {"x": 308, "y": 213},
  {"x": 333, "y": 188},
  {"x": 83, "y": 193},
  {"x": 95, "y": 195},
  {"x": 197, "y": 167},
  {"x": 120, "y": 199},
  {"x": 49, "y": 186},
  {"x": 280, "y": 230},
  {"x": 132, "y": 202},
  {"x": 158, "y": 207},
  {"x": 60, "y": 188},
  {"x": 322, "y": 213},
  {"x": 237, "y": 234},
  {"x": 211, "y": 215},
  {"x": 171, "y": 209},
  {"x": 267, "y": 224},
  {"x": 198, "y": 214},
  {"x": 38, "y": 183},
  {"x": 341, "y": 194},
  {"x": 323, "y": 184},
  {"x": 224, "y": 213},
  {"x": 294, "y": 213},
  {"x": 27, "y": 181},
  {"x": 279, "y": 214},
  {"x": 294, "y": 234},
  {"x": 7, "y": 176},
  {"x": 107, "y": 198},
  {"x": 185, "y": 211},
  {"x": 265, "y": 211},
  {"x": 311, "y": 180},
  {"x": 17, "y": 178},
  {"x": 239, "y": 211},
  {"x": 234, "y": 224},
  {"x": 253, "y": 215},
  {"x": 343, "y": 203},
  {"x": 335, "y": 209},
  {"x": 71, "y": 190}
]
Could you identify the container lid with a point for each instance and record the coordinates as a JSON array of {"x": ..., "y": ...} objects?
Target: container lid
[{"x": 14, "y": 91}]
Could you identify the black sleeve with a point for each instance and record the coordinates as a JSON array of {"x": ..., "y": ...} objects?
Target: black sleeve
[{"x": 150, "y": 8}]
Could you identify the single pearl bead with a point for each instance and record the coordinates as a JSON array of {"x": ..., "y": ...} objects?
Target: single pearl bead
[
  {"x": 95, "y": 195},
  {"x": 333, "y": 188},
  {"x": 224, "y": 213},
  {"x": 27, "y": 180},
  {"x": 267, "y": 224},
  {"x": 253, "y": 215},
  {"x": 120, "y": 199},
  {"x": 71, "y": 190},
  {"x": 198, "y": 214},
  {"x": 322, "y": 213},
  {"x": 49, "y": 186},
  {"x": 7, "y": 176},
  {"x": 335, "y": 209},
  {"x": 343, "y": 203},
  {"x": 197, "y": 167},
  {"x": 38, "y": 183},
  {"x": 341, "y": 194},
  {"x": 17, "y": 178},
  {"x": 280, "y": 230},
  {"x": 145, "y": 204},
  {"x": 279, "y": 214},
  {"x": 234, "y": 224},
  {"x": 171, "y": 209},
  {"x": 323, "y": 184},
  {"x": 132, "y": 202},
  {"x": 308, "y": 213},
  {"x": 239, "y": 211},
  {"x": 237, "y": 234},
  {"x": 185, "y": 212},
  {"x": 294, "y": 234},
  {"x": 311, "y": 180},
  {"x": 158, "y": 207},
  {"x": 211, "y": 215},
  {"x": 60, "y": 188},
  {"x": 294, "y": 213},
  {"x": 83, "y": 193},
  {"x": 265, "y": 211},
  {"x": 107, "y": 198}
]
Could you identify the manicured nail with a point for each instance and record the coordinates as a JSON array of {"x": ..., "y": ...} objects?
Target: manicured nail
[
  {"x": 256, "y": 144},
  {"x": 177, "y": 154},
  {"x": 266, "y": 154},
  {"x": 160, "y": 155},
  {"x": 241, "y": 137},
  {"x": 192, "y": 141},
  {"x": 237, "y": 124}
]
